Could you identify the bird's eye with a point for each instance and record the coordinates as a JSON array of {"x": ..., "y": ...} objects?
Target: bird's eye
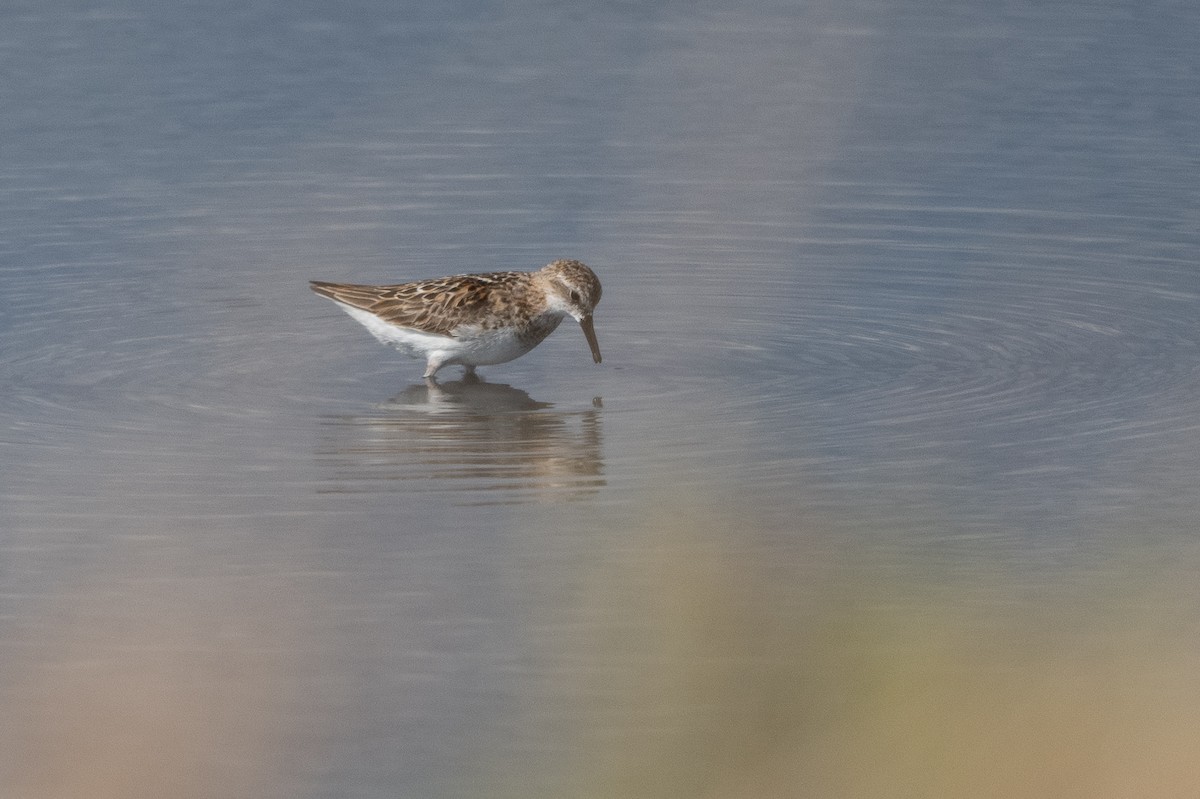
[{"x": 575, "y": 297}]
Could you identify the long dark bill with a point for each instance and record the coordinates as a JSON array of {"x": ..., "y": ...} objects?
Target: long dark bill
[{"x": 586, "y": 324}]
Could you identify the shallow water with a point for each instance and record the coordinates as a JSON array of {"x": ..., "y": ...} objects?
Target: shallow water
[{"x": 899, "y": 323}]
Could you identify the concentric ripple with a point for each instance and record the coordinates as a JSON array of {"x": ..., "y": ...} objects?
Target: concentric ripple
[
  {"x": 1020, "y": 385},
  {"x": 1000, "y": 350}
]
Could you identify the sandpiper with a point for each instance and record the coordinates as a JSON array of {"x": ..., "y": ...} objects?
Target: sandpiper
[{"x": 473, "y": 320}]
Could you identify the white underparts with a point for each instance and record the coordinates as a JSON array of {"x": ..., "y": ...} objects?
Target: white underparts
[{"x": 472, "y": 347}]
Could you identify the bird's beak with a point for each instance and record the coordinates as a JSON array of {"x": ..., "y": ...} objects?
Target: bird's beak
[{"x": 586, "y": 323}]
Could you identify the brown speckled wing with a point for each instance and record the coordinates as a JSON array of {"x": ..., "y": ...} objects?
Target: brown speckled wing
[{"x": 433, "y": 306}]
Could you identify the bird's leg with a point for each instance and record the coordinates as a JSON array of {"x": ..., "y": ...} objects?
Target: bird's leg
[{"x": 436, "y": 361}]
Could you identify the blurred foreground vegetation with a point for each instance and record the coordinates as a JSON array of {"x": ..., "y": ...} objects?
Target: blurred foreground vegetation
[
  {"x": 687, "y": 661},
  {"x": 692, "y": 664}
]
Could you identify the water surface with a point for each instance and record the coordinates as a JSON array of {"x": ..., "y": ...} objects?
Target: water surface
[{"x": 900, "y": 379}]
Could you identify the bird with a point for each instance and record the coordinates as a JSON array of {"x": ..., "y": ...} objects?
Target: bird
[{"x": 473, "y": 319}]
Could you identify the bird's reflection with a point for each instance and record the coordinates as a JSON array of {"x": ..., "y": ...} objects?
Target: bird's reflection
[{"x": 489, "y": 441}]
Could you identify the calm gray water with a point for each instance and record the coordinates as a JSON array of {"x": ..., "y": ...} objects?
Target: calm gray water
[{"x": 901, "y": 362}]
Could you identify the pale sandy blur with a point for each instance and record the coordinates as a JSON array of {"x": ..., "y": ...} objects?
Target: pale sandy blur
[
  {"x": 153, "y": 681},
  {"x": 684, "y": 662},
  {"x": 691, "y": 667}
]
